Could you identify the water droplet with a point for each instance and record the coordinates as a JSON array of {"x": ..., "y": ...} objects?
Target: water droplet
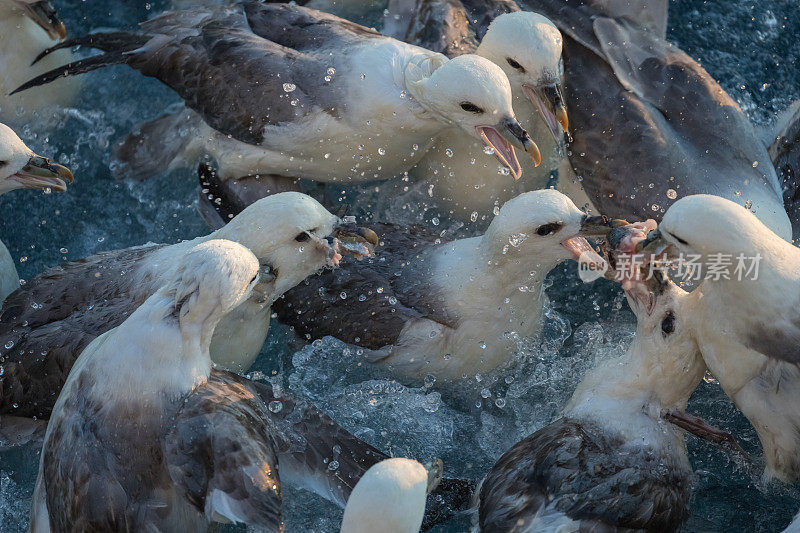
[
  {"x": 517, "y": 239},
  {"x": 327, "y": 156},
  {"x": 331, "y": 71},
  {"x": 289, "y": 87},
  {"x": 343, "y": 295},
  {"x": 485, "y": 393},
  {"x": 755, "y": 164},
  {"x": 449, "y": 152},
  {"x": 63, "y": 250},
  {"x": 275, "y": 406},
  {"x": 379, "y": 290},
  {"x": 655, "y": 207},
  {"x": 503, "y": 170},
  {"x": 415, "y": 147},
  {"x": 474, "y": 216},
  {"x": 382, "y": 151},
  {"x": 500, "y": 402},
  {"x": 488, "y": 150},
  {"x": 9, "y": 345},
  {"x": 496, "y": 210},
  {"x": 672, "y": 194},
  {"x": 333, "y": 465},
  {"x": 362, "y": 298},
  {"x": 294, "y": 101},
  {"x": 429, "y": 380},
  {"x": 435, "y": 221},
  {"x": 392, "y": 300}
]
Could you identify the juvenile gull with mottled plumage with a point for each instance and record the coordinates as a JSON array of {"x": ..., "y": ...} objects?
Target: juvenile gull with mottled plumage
[
  {"x": 426, "y": 306},
  {"x": 48, "y": 322},
  {"x": 291, "y": 91}
]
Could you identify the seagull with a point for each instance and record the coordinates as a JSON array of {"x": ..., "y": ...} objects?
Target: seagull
[
  {"x": 47, "y": 323},
  {"x": 284, "y": 90},
  {"x": 649, "y": 124},
  {"x": 390, "y": 497},
  {"x": 746, "y": 322},
  {"x": 424, "y": 305},
  {"x": 527, "y": 46},
  {"x": 20, "y": 168},
  {"x": 27, "y": 28},
  {"x": 614, "y": 460},
  {"x": 169, "y": 443}
]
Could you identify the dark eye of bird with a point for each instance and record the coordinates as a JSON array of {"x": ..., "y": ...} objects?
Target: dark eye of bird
[
  {"x": 472, "y": 108},
  {"x": 3, "y": 163},
  {"x": 668, "y": 324},
  {"x": 515, "y": 65},
  {"x": 548, "y": 229},
  {"x": 303, "y": 237}
]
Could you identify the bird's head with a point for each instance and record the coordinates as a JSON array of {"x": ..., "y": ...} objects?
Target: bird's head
[
  {"x": 212, "y": 279},
  {"x": 527, "y": 46},
  {"x": 41, "y": 12},
  {"x": 294, "y": 236},
  {"x": 701, "y": 225},
  {"x": 544, "y": 224},
  {"x": 474, "y": 94},
  {"x": 20, "y": 168},
  {"x": 392, "y": 492}
]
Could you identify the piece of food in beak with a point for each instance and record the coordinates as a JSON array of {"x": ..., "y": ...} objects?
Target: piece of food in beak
[
  {"x": 503, "y": 138},
  {"x": 582, "y": 251},
  {"x": 653, "y": 246},
  {"x": 632, "y": 273},
  {"x": 40, "y": 173},
  {"x": 549, "y": 102},
  {"x": 44, "y": 14},
  {"x": 355, "y": 240}
]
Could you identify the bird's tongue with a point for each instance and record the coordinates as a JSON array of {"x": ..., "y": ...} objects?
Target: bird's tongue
[
  {"x": 503, "y": 150},
  {"x": 582, "y": 251}
]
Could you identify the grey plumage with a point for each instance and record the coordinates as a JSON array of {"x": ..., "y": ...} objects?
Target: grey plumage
[
  {"x": 46, "y": 324},
  {"x": 588, "y": 475},
  {"x": 784, "y": 150},
  {"x": 395, "y": 286},
  {"x": 643, "y": 112}
]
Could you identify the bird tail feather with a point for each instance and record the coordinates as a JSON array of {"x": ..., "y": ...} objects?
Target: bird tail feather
[{"x": 159, "y": 145}]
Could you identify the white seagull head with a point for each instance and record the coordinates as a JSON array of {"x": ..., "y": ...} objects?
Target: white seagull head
[
  {"x": 527, "y": 46},
  {"x": 40, "y": 12},
  {"x": 704, "y": 225},
  {"x": 390, "y": 497},
  {"x": 212, "y": 279},
  {"x": 294, "y": 236},
  {"x": 544, "y": 224},
  {"x": 474, "y": 94},
  {"x": 20, "y": 168}
]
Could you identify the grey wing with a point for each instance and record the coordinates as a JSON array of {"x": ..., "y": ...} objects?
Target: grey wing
[
  {"x": 307, "y": 440},
  {"x": 220, "y": 454},
  {"x": 368, "y": 303},
  {"x": 438, "y": 25},
  {"x": 232, "y": 63},
  {"x": 784, "y": 151},
  {"x": 643, "y": 112},
  {"x": 46, "y": 324},
  {"x": 590, "y": 477}
]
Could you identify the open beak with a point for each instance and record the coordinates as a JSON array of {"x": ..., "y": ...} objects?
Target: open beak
[
  {"x": 44, "y": 14},
  {"x": 596, "y": 226},
  {"x": 354, "y": 240},
  {"x": 503, "y": 138},
  {"x": 549, "y": 101},
  {"x": 40, "y": 173}
]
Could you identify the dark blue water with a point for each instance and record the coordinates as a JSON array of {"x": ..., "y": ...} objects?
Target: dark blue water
[{"x": 751, "y": 48}]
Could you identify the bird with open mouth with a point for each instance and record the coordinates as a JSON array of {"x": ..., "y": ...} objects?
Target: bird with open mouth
[
  {"x": 527, "y": 46},
  {"x": 28, "y": 27},
  {"x": 320, "y": 97},
  {"x": 292, "y": 235},
  {"x": 754, "y": 355},
  {"x": 20, "y": 168},
  {"x": 424, "y": 305}
]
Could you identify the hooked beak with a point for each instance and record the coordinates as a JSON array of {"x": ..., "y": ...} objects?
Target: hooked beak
[
  {"x": 596, "y": 226},
  {"x": 40, "y": 173},
  {"x": 435, "y": 471},
  {"x": 549, "y": 101},
  {"x": 352, "y": 239},
  {"x": 44, "y": 14},
  {"x": 503, "y": 138},
  {"x": 653, "y": 246}
]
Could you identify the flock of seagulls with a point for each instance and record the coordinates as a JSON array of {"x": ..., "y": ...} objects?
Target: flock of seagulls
[{"x": 128, "y": 367}]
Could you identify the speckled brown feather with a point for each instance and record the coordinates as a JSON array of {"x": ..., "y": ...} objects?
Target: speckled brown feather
[{"x": 589, "y": 476}]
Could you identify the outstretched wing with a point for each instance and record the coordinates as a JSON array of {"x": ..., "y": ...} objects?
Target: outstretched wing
[
  {"x": 220, "y": 454},
  {"x": 571, "y": 468},
  {"x": 46, "y": 324},
  {"x": 368, "y": 303},
  {"x": 242, "y": 67}
]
